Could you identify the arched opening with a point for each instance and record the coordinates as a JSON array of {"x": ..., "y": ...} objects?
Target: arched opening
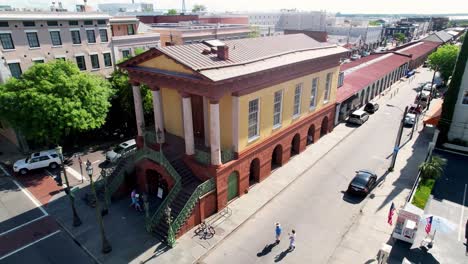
[
  {"x": 367, "y": 94},
  {"x": 363, "y": 94},
  {"x": 233, "y": 185},
  {"x": 276, "y": 157},
  {"x": 254, "y": 171},
  {"x": 324, "y": 127},
  {"x": 295, "y": 145},
  {"x": 157, "y": 185},
  {"x": 310, "y": 135}
]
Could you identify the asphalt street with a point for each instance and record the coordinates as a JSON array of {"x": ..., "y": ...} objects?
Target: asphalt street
[
  {"x": 315, "y": 205},
  {"x": 28, "y": 234}
]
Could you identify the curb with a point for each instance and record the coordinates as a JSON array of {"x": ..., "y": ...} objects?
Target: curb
[{"x": 199, "y": 260}]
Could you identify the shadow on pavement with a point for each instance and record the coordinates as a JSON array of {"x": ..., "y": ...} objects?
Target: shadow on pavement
[
  {"x": 282, "y": 255},
  {"x": 266, "y": 250},
  {"x": 402, "y": 250}
]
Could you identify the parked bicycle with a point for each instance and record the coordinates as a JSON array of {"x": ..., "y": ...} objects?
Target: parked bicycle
[{"x": 205, "y": 231}]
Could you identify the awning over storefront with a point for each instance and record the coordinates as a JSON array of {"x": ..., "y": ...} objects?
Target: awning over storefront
[{"x": 432, "y": 116}]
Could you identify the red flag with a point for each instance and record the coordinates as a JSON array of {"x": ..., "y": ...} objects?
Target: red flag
[
  {"x": 390, "y": 214},
  {"x": 428, "y": 225}
]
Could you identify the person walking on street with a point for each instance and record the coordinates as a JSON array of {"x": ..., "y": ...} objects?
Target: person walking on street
[
  {"x": 292, "y": 240},
  {"x": 278, "y": 233},
  {"x": 137, "y": 202},
  {"x": 132, "y": 196}
]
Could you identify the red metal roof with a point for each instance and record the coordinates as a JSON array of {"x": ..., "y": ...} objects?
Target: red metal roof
[
  {"x": 419, "y": 50},
  {"x": 355, "y": 63},
  {"x": 361, "y": 78}
]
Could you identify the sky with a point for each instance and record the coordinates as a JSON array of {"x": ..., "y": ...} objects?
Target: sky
[{"x": 343, "y": 6}]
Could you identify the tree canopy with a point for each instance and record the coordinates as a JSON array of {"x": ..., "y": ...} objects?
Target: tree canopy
[
  {"x": 172, "y": 12},
  {"x": 198, "y": 8},
  {"x": 443, "y": 60},
  {"x": 400, "y": 37},
  {"x": 51, "y": 100}
]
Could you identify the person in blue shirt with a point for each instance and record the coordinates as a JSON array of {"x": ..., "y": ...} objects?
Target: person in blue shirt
[{"x": 278, "y": 232}]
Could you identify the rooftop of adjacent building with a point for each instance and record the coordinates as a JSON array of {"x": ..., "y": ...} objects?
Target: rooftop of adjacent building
[
  {"x": 21, "y": 16},
  {"x": 195, "y": 26}
]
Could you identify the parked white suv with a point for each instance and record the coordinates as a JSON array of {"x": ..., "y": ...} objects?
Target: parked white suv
[
  {"x": 38, "y": 160},
  {"x": 120, "y": 150}
]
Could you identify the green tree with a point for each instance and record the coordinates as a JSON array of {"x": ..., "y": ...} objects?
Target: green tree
[
  {"x": 433, "y": 168},
  {"x": 443, "y": 60},
  {"x": 198, "y": 8},
  {"x": 254, "y": 32},
  {"x": 172, "y": 12},
  {"x": 400, "y": 37},
  {"x": 52, "y": 100}
]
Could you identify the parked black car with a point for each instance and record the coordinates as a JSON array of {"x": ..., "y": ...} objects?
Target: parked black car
[
  {"x": 362, "y": 183},
  {"x": 371, "y": 107}
]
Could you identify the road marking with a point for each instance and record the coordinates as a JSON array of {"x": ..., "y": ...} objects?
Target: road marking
[
  {"x": 20, "y": 226},
  {"x": 28, "y": 245},
  {"x": 96, "y": 161},
  {"x": 26, "y": 192},
  {"x": 74, "y": 173},
  {"x": 462, "y": 212}
]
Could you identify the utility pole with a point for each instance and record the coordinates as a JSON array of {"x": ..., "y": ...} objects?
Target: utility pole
[{"x": 396, "y": 148}]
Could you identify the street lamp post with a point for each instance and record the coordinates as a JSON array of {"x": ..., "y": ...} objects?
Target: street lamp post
[
  {"x": 396, "y": 148},
  {"x": 76, "y": 218},
  {"x": 105, "y": 211},
  {"x": 106, "y": 247}
]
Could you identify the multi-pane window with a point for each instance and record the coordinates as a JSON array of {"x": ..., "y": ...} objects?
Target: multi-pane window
[
  {"x": 277, "y": 107},
  {"x": 38, "y": 61},
  {"x": 52, "y": 23},
  {"x": 125, "y": 53},
  {"x": 55, "y": 37},
  {"x": 297, "y": 100},
  {"x": 88, "y": 22},
  {"x": 80, "y": 61},
  {"x": 32, "y": 39},
  {"x": 103, "y": 34},
  {"x": 101, "y": 22},
  {"x": 107, "y": 59},
  {"x": 130, "y": 29},
  {"x": 29, "y": 23},
  {"x": 7, "y": 41},
  {"x": 73, "y": 23},
  {"x": 94, "y": 61},
  {"x": 4, "y": 24},
  {"x": 340, "y": 79},
  {"x": 91, "y": 36},
  {"x": 313, "y": 93},
  {"x": 253, "y": 119},
  {"x": 328, "y": 82},
  {"x": 15, "y": 69},
  {"x": 76, "y": 38}
]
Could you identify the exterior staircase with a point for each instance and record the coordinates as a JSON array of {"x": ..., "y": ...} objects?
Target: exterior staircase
[{"x": 189, "y": 183}]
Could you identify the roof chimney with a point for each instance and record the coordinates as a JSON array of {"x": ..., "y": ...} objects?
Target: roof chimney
[{"x": 223, "y": 52}]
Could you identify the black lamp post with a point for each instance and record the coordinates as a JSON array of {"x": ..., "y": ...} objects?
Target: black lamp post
[
  {"x": 396, "y": 148},
  {"x": 76, "y": 218},
  {"x": 105, "y": 211},
  {"x": 106, "y": 247}
]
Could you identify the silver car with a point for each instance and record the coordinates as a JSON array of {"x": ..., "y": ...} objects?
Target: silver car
[
  {"x": 123, "y": 148},
  {"x": 358, "y": 117}
]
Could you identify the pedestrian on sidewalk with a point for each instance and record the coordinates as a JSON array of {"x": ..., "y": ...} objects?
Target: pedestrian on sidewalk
[
  {"x": 292, "y": 240},
  {"x": 137, "y": 202},
  {"x": 278, "y": 231},
  {"x": 132, "y": 196}
]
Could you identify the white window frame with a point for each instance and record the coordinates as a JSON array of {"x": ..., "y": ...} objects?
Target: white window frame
[
  {"x": 91, "y": 54},
  {"x": 328, "y": 84},
  {"x": 256, "y": 136},
  {"x": 104, "y": 59},
  {"x": 280, "y": 109},
  {"x": 79, "y": 33},
  {"x": 313, "y": 94},
  {"x": 94, "y": 35},
  {"x": 60, "y": 36},
  {"x": 296, "y": 115}
]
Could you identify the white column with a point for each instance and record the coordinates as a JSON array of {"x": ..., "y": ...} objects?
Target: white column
[
  {"x": 206, "y": 121},
  {"x": 337, "y": 113},
  {"x": 215, "y": 140},
  {"x": 188, "y": 126},
  {"x": 138, "y": 109},
  {"x": 158, "y": 115},
  {"x": 235, "y": 123}
]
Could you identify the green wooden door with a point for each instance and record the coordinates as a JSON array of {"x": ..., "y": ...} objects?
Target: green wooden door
[{"x": 233, "y": 183}]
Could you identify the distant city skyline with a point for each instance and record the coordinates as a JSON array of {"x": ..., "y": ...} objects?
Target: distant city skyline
[{"x": 348, "y": 7}]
